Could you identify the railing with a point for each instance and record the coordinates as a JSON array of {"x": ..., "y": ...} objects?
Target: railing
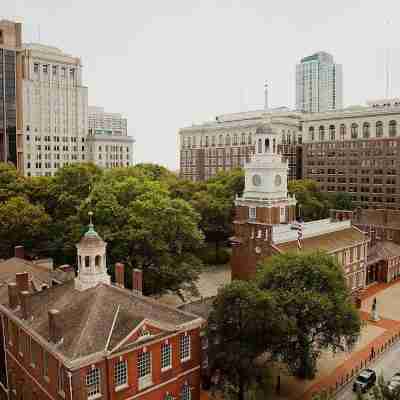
[{"x": 345, "y": 379}]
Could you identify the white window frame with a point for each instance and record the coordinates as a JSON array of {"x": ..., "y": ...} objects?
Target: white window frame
[
  {"x": 186, "y": 392},
  {"x": 252, "y": 212},
  {"x": 93, "y": 383},
  {"x": 121, "y": 375},
  {"x": 166, "y": 356},
  {"x": 144, "y": 362},
  {"x": 185, "y": 347}
]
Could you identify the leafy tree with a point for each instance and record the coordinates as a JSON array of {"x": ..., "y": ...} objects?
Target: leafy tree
[
  {"x": 311, "y": 290},
  {"x": 241, "y": 327},
  {"x": 22, "y": 223},
  {"x": 342, "y": 201},
  {"x": 11, "y": 183}
]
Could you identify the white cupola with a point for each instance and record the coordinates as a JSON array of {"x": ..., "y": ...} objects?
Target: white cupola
[{"x": 92, "y": 260}]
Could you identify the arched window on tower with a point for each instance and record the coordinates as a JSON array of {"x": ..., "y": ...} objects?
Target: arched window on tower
[
  {"x": 97, "y": 261},
  {"x": 274, "y": 145},
  {"x": 212, "y": 140},
  {"x": 392, "y": 128},
  {"x": 267, "y": 145},
  {"x": 311, "y": 133},
  {"x": 235, "y": 139},
  {"x": 243, "y": 141},
  {"x": 259, "y": 149},
  {"x": 342, "y": 131},
  {"x": 321, "y": 133},
  {"x": 332, "y": 132},
  {"x": 354, "y": 131},
  {"x": 206, "y": 141},
  {"x": 87, "y": 261}
]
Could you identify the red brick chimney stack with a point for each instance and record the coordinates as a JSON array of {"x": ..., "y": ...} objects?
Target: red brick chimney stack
[
  {"x": 22, "y": 280},
  {"x": 137, "y": 281},
  {"x": 26, "y": 305},
  {"x": 55, "y": 331},
  {"x": 13, "y": 297},
  {"x": 19, "y": 252},
  {"x": 120, "y": 275}
]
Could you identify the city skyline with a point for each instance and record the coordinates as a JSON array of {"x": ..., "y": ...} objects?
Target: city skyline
[{"x": 164, "y": 89}]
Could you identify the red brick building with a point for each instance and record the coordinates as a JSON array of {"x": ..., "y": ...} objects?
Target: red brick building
[{"x": 90, "y": 339}]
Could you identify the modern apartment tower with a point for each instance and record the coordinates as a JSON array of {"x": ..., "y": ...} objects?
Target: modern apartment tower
[
  {"x": 55, "y": 110},
  {"x": 10, "y": 93},
  {"x": 318, "y": 84}
]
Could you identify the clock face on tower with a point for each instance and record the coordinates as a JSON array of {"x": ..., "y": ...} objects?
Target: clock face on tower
[
  {"x": 256, "y": 180},
  {"x": 278, "y": 180}
]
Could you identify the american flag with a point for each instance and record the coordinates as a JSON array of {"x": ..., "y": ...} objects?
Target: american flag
[{"x": 299, "y": 235}]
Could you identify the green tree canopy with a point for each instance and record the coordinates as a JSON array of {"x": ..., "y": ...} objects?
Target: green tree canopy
[{"x": 311, "y": 290}]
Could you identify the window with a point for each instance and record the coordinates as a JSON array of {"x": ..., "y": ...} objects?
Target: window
[
  {"x": 379, "y": 129},
  {"x": 92, "y": 382},
  {"x": 33, "y": 353},
  {"x": 166, "y": 356},
  {"x": 252, "y": 212},
  {"x": 121, "y": 374},
  {"x": 342, "y": 131},
  {"x": 366, "y": 130},
  {"x": 321, "y": 133},
  {"x": 45, "y": 68},
  {"x": 144, "y": 369},
  {"x": 259, "y": 146},
  {"x": 185, "y": 347},
  {"x": 61, "y": 379},
  {"x": 311, "y": 133},
  {"x": 354, "y": 131},
  {"x": 54, "y": 70},
  {"x": 228, "y": 140},
  {"x": 220, "y": 140},
  {"x": 392, "y": 128},
  {"x": 332, "y": 132},
  {"x": 36, "y": 68},
  {"x": 249, "y": 139},
  {"x": 45, "y": 364},
  {"x": 185, "y": 392}
]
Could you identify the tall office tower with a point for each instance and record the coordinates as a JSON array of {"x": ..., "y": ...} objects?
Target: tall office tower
[
  {"x": 11, "y": 93},
  {"x": 55, "y": 110},
  {"x": 108, "y": 144},
  {"x": 318, "y": 84}
]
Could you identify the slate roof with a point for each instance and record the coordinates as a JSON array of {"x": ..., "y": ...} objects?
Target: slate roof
[
  {"x": 97, "y": 319},
  {"x": 383, "y": 251},
  {"x": 328, "y": 242}
]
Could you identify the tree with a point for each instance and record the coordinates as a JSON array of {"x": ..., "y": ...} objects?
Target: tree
[
  {"x": 241, "y": 327},
  {"x": 11, "y": 183},
  {"x": 342, "y": 201},
  {"x": 383, "y": 392},
  {"x": 22, "y": 223},
  {"x": 311, "y": 290}
]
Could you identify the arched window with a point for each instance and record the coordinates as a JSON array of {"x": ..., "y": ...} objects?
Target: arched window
[
  {"x": 243, "y": 141},
  {"x": 228, "y": 140},
  {"x": 97, "y": 261},
  {"x": 366, "y": 130},
  {"x": 274, "y": 145},
  {"x": 249, "y": 141},
  {"x": 332, "y": 132},
  {"x": 354, "y": 131},
  {"x": 266, "y": 145},
  {"x": 342, "y": 131},
  {"x": 392, "y": 128},
  {"x": 206, "y": 141},
  {"x": 189, "y": 142},
  {"x": 194, "y": 141},
  {"x": 259, "y": 148},
  {"x": 220, "y": 140},
  {"x": 212, "y": 140},
  {"x": 283, "y": 138},
  {"x": 311, "y": 133},
  {"x": 80, "y": 262},
  {"x": 321, "y": 133},
  {"x": 87, "y": 261},
  {"x": 293, "y": 138},
  {"x": 184, "y": 142},
  {"x": 379, "y": 129},
  {"x": 235, "y": 139}
]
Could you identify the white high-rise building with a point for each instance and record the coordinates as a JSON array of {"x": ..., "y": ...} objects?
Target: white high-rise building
[
  {"x": 55, "y": 105},
  {"x": 318, "y": 83},
  {"x": 108, "y": 143}
]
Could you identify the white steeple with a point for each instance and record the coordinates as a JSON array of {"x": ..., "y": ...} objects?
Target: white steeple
[{"x": 92, "y": 262}]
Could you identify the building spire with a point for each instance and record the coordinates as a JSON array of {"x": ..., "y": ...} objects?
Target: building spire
[{"x": 91, "y": 231}]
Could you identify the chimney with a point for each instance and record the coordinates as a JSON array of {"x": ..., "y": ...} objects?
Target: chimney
[
  {"x": 26, "y": 304},
  {"x": 19, "y": 252},
  {"x": 137, "y": 281},
  {"x": 13, "y": 299},
  {"x": 22, "y": 280},
  {"x": 120, "y": 275},
  {"x": 55, "y": 331}
]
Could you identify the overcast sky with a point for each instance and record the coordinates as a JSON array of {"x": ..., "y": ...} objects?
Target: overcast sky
[{"x": 167, "y": 63}]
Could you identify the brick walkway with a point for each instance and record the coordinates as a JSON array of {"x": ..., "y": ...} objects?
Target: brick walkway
[{"x": 391, "y": 327}]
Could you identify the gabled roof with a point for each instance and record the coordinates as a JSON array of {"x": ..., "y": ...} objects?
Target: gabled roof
[
  {"x": 99, "y": 318},
  {"x": 383, "y": 251},
  {"x": 328, "y": 242}
]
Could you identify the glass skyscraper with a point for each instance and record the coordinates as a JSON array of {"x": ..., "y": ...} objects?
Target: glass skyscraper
[{"x": 318, "y": 83}]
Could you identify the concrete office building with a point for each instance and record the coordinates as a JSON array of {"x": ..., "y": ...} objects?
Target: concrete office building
[
  {"x": 55, "y": 110},
  {"x": 318, "y": 84},
  {"x": 108, "y": 144},
  {"x": 227, "y": 142},
  {"x": 356, "y": 151},
  {"x": 11, "y": 146}
]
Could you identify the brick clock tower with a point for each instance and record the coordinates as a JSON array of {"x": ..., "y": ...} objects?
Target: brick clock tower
[{"x": 264, "y": 203}]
